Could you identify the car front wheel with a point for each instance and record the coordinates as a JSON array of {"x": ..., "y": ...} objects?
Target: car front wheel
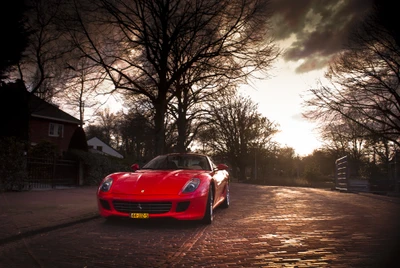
[
  {"x": 227, "y": 200},
  {"x": 208, "y": 215}
]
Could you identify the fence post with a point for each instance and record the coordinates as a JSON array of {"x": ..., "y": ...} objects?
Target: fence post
[
  {"x": 80, "y": 172},
  {"x": 348, "y": 173},
  {"x": 53, "y": 183},
  {"x": 396, "y": 177},
  {"x": 342, "y": 174}
]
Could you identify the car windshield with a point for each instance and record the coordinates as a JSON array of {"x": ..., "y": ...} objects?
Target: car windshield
[{"x": 178, "y": 161}]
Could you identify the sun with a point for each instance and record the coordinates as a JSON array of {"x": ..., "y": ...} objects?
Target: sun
[{"x": 300, "y": 136}]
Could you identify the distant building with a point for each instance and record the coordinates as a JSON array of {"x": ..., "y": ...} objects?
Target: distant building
[{"x": 97, "y": 146}]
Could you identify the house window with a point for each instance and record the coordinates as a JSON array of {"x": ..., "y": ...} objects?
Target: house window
[
  {"x": 100, "y": 148},
  {"x": 56, "y": 130}
]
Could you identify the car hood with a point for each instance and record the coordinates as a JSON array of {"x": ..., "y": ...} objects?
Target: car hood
[{"x": 153, "y": 182}]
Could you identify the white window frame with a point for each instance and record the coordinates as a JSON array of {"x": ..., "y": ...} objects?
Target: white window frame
[{"x": 56, "y": 130}]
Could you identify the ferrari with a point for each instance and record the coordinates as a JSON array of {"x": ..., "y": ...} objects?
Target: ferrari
[{"x": 183, "y": 186}]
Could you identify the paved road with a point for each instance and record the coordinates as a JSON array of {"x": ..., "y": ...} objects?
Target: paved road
[{"x": 264, "y": 227}]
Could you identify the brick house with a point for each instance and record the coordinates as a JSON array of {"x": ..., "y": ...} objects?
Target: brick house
[{"x": 49, "y": 123}]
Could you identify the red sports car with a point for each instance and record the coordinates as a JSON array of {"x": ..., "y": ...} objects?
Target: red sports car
[{"x": 182, "y": 186}]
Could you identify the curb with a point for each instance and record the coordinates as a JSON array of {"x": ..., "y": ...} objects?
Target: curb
[{"x": 30, "y": 233}]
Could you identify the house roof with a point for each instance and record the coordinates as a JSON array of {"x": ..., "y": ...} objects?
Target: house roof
[
  {"x": 95, "y": 139},
  {"x": 40, "y": 108}
]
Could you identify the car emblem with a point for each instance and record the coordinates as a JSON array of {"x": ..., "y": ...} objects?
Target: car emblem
[{"x": 139, "y": 207}]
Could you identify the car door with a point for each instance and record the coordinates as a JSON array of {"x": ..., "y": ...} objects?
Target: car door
[{"x": 221, "y": 179}]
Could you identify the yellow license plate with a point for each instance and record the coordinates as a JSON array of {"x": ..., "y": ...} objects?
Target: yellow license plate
[{"x": 139, "y": 215}]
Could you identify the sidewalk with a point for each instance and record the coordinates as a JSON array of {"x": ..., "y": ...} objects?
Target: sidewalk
[{"x": 31, "y": 212}]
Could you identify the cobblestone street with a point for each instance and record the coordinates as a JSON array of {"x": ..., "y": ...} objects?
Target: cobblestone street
[{"x": 264, "y": 227}]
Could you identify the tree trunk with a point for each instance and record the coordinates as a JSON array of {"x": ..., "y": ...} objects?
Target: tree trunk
[
  {"x": 159, "y": 124},
  {"x": 182, "y": 121},
  {"x": 242, "y": 173},
  {"x": 181, "y": 148}
]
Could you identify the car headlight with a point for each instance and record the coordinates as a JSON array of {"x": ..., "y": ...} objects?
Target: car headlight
[
  {"x": 106, "y": 184},
  {"x": 191, "y": 185}
]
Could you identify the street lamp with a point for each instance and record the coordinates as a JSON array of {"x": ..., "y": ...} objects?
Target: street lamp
[{"x": 255, "y": 164}]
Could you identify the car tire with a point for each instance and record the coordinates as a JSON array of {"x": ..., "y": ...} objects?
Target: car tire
[
  {"x": 209, "y": 215},
  {"x": 227, "y": 200}
]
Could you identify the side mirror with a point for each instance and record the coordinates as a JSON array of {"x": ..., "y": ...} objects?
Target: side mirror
[
  {"x": 135, "y": 167},
  {"x": 222, "y": 167}
]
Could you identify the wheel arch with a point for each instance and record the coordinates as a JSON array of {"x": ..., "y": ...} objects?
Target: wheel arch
[{"x": 212, "y": 185}]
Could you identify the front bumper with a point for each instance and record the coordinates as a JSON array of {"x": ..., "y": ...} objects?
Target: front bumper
[{"x": 187, "y": 207}]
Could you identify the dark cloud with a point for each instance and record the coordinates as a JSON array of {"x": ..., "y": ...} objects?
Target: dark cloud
[{"x": 316, "y": 29}]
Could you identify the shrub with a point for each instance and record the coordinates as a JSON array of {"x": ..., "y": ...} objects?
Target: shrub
[
  {"x": 13, "y": 174},
  {"x": 97, "y": 166},
  {"x": 78, "y": 140},
  {"x": 44, "y": 149},
  {"x": 312, "y": 172}
]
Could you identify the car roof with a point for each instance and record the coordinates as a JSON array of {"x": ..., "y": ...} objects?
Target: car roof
[{"x": 196, "y": 154}]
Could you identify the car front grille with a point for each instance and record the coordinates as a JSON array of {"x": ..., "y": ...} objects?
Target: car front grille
[{"x": 142, "y": 207}]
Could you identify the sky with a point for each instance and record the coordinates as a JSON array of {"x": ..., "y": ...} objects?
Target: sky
[{"x": 310, "y": 33}]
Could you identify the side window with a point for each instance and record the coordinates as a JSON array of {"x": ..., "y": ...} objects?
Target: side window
[
  {"x": 100, "y": 148},
  {"x": 56, "y": 130},
  {"x": 52, "y": 129},
  {"x": 60, "y": 130}
]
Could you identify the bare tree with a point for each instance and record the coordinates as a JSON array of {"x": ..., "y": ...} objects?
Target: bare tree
[
  {"x": 42, "y": 68},
  {"x": 135, "y": 130},
  {"x": 96, "y": 130},
  {"x": 107, "y": 121},
  {"x": 365, "y": 84},
  {"x": 84, "y": 83},
  {"x": 380, "y": 151},
  {"x": 235, "y": 129},
  {"x": 188, "y": 108},
  {"x": 344, "y": 137},
  {"x": 208, "y": 78},
  {"x": 146, "y": 46}
]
